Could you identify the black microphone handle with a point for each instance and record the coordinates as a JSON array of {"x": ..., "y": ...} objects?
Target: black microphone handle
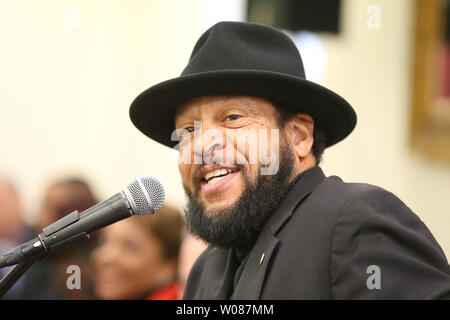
[
  {"x": 105, "y": 213},
  {"x": 71, "y": 228}
]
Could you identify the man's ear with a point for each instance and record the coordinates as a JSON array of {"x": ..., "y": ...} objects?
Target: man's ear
[{"x": 300, "y": 131}]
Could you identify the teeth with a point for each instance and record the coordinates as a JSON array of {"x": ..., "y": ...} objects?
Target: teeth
[
  {"x": 214, "y": 180},
  {"x": 217, "y": 172}
]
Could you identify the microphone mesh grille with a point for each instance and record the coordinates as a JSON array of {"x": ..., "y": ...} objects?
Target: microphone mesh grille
[{"x": 147, "y": 195}]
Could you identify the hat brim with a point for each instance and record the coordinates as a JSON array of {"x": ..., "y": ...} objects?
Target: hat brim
[{"x": 153, "y": 111}]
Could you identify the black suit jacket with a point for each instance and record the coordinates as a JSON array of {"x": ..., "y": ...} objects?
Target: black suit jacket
[{"x": 330, "y": 240}]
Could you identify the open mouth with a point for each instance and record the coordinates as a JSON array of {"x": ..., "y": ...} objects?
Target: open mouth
[
  {"x": 217, "y": 178},
  {"x": 216, "y": 175}
]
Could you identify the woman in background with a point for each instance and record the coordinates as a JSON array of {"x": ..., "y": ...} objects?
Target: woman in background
[
  {"x": 137, "y": 258},
  {"x": 47, "y": 279}
]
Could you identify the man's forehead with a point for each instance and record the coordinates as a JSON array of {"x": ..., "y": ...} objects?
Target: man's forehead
[{"x": 249, "y": 102}]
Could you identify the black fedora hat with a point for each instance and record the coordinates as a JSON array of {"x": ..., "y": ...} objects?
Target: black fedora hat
[{"x": 240, "y": 58}]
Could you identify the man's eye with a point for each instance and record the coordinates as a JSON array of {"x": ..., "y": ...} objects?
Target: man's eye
[
  {"x": 233, "y": 117},
  {"x": 189, "y": 129}
]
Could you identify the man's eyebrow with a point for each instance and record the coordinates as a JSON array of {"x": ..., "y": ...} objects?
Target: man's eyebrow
[
  {"x": 248, "y": 106},
  {"x": 180, "y": 111},
  {"x": 176, "y": 120}
]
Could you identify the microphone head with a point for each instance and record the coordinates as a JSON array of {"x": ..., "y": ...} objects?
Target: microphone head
[{"x": 145, "y": 195}]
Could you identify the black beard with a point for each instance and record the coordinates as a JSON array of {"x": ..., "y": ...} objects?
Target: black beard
[{"x": 240, "y": 225}]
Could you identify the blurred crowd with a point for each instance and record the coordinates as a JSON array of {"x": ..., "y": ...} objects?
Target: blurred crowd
[{"x": 142, "y": 257}]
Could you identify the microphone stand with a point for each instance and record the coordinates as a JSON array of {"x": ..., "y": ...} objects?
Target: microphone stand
[{"x": 17, "y": 271}]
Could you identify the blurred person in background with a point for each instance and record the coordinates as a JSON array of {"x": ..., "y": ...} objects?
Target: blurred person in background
[
  {"x": 137, "y": 258},
  {"x": 64, "y": 197},
  {"x": 49, "y": 276},
  {"x": 191, "y": 249},
  {"x": 11, "y": 226},
  {"x": 12, "y": 230}
]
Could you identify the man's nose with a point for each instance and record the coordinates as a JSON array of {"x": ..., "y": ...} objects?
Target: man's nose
[{"x": 209, "y": 145}]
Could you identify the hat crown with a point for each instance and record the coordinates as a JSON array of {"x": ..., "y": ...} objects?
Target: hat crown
[{"x": 244, "y": 46}]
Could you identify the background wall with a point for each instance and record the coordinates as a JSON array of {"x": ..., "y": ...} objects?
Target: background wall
[{"x": 70, "y": 69}]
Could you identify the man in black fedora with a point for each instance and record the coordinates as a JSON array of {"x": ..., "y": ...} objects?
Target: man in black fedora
[{"x": 277, "y": 227}]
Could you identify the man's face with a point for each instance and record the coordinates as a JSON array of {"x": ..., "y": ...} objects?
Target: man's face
[{"x": 219, "y": 184}]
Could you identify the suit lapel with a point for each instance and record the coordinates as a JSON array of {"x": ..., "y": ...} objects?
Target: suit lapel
[
  {"x": 252, "y": 279},
  {"x": 306, "y": 183},
  {"x": 226, "y": 283}
]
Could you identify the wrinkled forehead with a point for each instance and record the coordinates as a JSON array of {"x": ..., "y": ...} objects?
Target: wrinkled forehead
[
  {"x": 252, "y": 104},
  {"x": 191, "y": 104}
]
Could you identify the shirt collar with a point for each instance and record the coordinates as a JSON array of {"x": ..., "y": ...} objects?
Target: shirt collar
[{"x": 301, "y": 187}]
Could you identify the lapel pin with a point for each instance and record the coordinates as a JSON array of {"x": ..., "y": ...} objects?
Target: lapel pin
[{"x": 262, "y": 259}]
